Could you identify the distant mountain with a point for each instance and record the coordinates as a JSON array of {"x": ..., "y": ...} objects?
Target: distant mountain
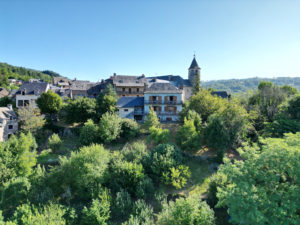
[
  {"x": 243, "y": 85},
  {"x": 14, "y": 72}
]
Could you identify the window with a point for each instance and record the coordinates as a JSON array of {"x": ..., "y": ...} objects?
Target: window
[
  {"x": 171, "y": 98},
  {"x": 137, "y": 90},
  {"x": 26, "y": 102},
  {"x": 125, "y": 110},
  {"x": 10, "y": 127},
  {"x": 129, "y": 90},
  {"x": 169, "y": 118},
  {"x": 8, "y": 136},
  {"x": 20, "y": 103},
  {"x": 23, "y": 92},
  {"x": 10, "y": 117},
  {"x": 123, "y": 89}
]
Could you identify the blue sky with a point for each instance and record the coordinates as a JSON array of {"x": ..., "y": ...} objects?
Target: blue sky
[{"x": 92, "y": 39}]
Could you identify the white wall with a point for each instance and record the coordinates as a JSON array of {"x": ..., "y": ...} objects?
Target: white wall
[
  {"x": 31, "y": 98},
  {"x": 126, "y": 114}
]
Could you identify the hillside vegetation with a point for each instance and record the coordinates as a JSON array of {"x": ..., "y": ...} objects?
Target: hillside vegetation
[
  {"x": 244, "y": 85},
  {"x": 20, "y": 73}
]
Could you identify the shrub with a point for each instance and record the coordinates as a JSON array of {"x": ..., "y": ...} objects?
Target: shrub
[
  {"x": 54, "y": 142},
  {"x": 151, "y": 120},
  {"x": 89, "y": 133},
  {"x": 122, "y": 204},
  {"x": 135, "y": 152},
  {"x": 145, "y": 188},
  {"x": 158, "y": 135},
  {"x": 109, "y": 127},
  {"x": 177, "y": 176},
  {"x": 186, "y": 211},
  {"x": 129, "y": 128},
  {"x": 187, "y": 136}
]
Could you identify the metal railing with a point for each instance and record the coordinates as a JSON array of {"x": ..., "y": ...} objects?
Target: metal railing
[{"x": 163, "y": 102}]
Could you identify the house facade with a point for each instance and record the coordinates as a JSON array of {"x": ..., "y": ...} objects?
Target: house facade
[
  {"x": 8, "y": 122},
  {"x": 131, "y": 107},
  {"x": 165, "y": 99},
  {"x": 28, "y": 93}
]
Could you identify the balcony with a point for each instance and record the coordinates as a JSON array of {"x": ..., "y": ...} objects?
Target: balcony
[
  {"x": 165, "y": 113},
  {"x": 163, "y": 102},
  {"x": 130, "y": 93}
]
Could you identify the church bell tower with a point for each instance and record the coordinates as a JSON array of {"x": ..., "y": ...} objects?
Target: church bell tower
[{"x": 194, "y": 71}]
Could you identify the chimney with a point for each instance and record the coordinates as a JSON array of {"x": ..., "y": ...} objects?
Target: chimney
[
  {"x": 9, "y": 106},
  {"x": 115, "y": 74},
  {"x": 143, "y": 75}
]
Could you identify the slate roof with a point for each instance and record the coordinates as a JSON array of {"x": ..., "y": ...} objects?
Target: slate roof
[
  {"x": 176, "y": 80},
  {"x": 162, "y": 88},
  {"x": 222, "y": 94},
  {"x": 81, "y": 85},
  {"x": 130, "y": 102},
  {"x": 33, "y": 88},
  {"x": 194, "y": 64},
  {"x": 6, "y": 112},
  {"x": 124, "y": 80},
  {"x": 57, "y": 80}
]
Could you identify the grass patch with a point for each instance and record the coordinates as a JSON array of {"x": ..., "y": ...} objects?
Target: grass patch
[{"x": 47, "y": 156}]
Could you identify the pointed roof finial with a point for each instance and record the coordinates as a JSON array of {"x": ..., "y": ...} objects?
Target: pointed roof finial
[
  {"x": 194, "y": 54},
  {"x": 194, "y": 63}
]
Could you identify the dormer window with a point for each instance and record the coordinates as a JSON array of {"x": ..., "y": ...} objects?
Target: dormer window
[
  {"x": 10, "y": 117},
  {"x": 23, "y": 92}
]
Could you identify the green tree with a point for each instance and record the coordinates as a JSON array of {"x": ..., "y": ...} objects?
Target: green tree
[
  {"x": 177, "y": 176},
  {"x": 51, "y": 214},
  {"x": 205, "y": 104},
  {"x": 187, "y": 136},
  {"x": 107, "y": 101},
  {"x": 17, "y": 157},
  {"x": 30, "y": 120},
  {"x": 79, "y": 110},
  {"x": 99, "y": 211},
  {"x": 109, "y": 127},
  {"x": 129, "y": 128},
  {"x": 185, "y": 212},
  {"x": 89, "y": 133},
  {"x": 151, "y": 120},
  {"x": 158, "y": 135},
  {"x": 49, "y": 102},
  {"x": 265, "y": 183},
  {"x": 4, "y": 101},
  {"x": 216, "y": 135},
  {"x": 80, "y": 176},
  {"x": 196, "y": 87},
  {"x": 54, "y": 142}
]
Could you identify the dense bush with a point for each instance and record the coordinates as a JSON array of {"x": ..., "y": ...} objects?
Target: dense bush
[
  {"x": 49, "y": 102},
  {"x": 186, "y": 211},
  {"x": 135, "y": 152},
  {"x": 158, "y": 135},
  {"x": 151, "y": 120},
  {"x": 109, "y": 127},
  {"x": 54, "y": 143},
  {"x": 129, "y": 128},
  {"x": 89, "y": 133}
]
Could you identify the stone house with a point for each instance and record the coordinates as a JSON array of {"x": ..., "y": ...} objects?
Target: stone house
[
  {"x": 28, "y": 93},
  {"x": 165, "y": 99},
  {"x": 8, "y": 122}
]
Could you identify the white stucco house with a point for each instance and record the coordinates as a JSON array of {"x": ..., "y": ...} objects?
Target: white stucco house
[{"x": 28, "y": 93}]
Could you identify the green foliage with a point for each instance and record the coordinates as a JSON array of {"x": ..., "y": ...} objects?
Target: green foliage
[
  {"x": 126, "y": 175},
  {"x": 177, "y": 176},
  {"x": 13, "y": 193},
  {"x": 185, "y": 212},
  {"x": 129, "y": 128},
  {"x": 151, "y": 120},
  {"x": 51, "y": 214},
  {"x": 161, "y": 159},
  {"x": 17, "y": 157},
  {"x": 49, "y": 102},
  {"x": 142, "y": 214},
  {"x": 4, "y": 101},
  {"x": 122, "y": 204},
  {"x": 30, "y": 119},
  {"x": 78, "y": 110},
  {"x": 158, "y": 135},
  {"x": 248, "y": 84},
  {"x": 135, "y": 152},
  {"x": 293, "y": 109},
  {"x": 193, "y": 115},
  {"x": 187, "y": 136},
  {"x": 21, "y": 73},
  {"x": 205, "y": 104},
  {"x": 196, "y": 87},
  {"x": 99, "y": 211},
  {"x": 54, "y": 142},
  {"x": 89, "y": 133},
  {"x": 265, "y": 183},
  {"x": 109, "y": 127},
  {"x": 107, "y": 101},
  {"x": 80, "y": 176}
]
